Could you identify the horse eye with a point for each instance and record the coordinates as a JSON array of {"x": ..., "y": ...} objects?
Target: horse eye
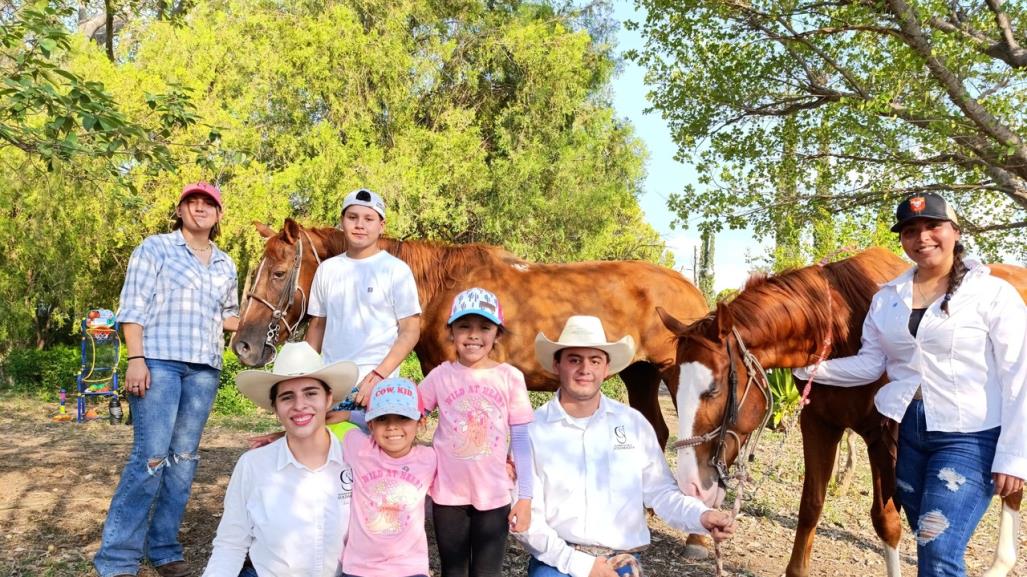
[{"x": 278, "y": 274}]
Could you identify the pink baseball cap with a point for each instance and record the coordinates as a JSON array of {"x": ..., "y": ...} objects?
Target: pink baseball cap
[{"x": 205, "y": 188}]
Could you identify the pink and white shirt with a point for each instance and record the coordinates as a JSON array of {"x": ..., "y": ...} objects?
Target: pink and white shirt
[
  {"x": 477, "y": 407},
  {"x": 386, "y": 527}
]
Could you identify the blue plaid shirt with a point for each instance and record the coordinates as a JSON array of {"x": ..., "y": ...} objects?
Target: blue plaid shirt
[{"x": 180, "y": 303}]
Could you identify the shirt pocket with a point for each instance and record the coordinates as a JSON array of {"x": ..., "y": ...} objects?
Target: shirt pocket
[{"x": 177, "y": 276}]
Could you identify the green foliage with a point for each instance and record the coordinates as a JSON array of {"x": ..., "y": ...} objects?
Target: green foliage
[
  {"x": 786, "y": 395},
  {"x": 42, "y": 372},
  {"x": 230, "y": 401},
  {"x": 411, "y": 369},
  {"x": 478, "y": 122},
  {"x": 820, "y": 113}
]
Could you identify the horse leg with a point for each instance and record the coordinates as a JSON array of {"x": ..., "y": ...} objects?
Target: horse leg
[
  {"x": 843, "y": 474},
  {"x": 883, "y": 513},
  {"x": 642, "y": 380},
  {"x": 819, "y": 446},
  {"x": 1008, "y": 529}
]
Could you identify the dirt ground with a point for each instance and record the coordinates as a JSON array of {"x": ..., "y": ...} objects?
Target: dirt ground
[{"x": 56, "y": 481}]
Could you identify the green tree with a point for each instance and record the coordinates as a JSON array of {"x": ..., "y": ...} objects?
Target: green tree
[
  {"x": 894, "y": 97},
  {"x": 478, "y": 121}
]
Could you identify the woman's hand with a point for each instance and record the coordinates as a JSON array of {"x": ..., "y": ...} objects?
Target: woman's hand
[
  {"x": 1006, "y": 485},
  {"x": 261, "y": 440},
  {"x": 137, "y": 377},
  {"x": 720, "y": 524}
]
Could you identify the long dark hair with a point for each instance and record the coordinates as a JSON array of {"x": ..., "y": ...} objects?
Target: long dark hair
[{"x": 956, "y": 274}]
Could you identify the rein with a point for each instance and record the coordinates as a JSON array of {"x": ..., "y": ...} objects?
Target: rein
[
  {"x": 746, "y": 449},
  {"x": 288, "y": 298}
]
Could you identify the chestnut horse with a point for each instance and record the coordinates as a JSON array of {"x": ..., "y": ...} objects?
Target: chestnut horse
[
  {"x": 535, "y": 297},
  {"x": 783, "y": 321}
]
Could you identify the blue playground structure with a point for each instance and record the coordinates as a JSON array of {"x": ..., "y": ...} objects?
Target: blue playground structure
[{"x": 101, "y": 350}]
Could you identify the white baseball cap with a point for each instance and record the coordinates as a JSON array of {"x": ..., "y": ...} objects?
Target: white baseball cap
[{"x": 364, "y": 197}]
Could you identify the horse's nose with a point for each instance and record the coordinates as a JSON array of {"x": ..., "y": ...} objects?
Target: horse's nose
[{"x": 241, "y": 348}]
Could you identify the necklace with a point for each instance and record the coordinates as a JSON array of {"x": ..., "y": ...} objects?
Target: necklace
[
  {"x": 200, "y": 249},
  {"x": 918, "y": 286}
]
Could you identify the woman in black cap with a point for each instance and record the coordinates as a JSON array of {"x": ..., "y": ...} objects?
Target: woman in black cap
[{"x": 952, "y": 339}]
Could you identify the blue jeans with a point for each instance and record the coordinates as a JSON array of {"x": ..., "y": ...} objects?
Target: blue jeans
[
  {"x": 944, "y": 485},
  {"x": 148, "y": 504}
]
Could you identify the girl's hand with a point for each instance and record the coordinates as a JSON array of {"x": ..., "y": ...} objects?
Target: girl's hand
[
  {"x": 720, "y": 524},
  {"x": 137, "y": 377},
  {"x": 1006, "y": 485},
  {"x": 333, "y": 417},
  {"x": 520, "y": 516}
]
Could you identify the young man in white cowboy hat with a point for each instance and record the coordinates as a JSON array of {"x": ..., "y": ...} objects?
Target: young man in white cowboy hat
[
  {"x": 598, "y": 466},
  {"x": 287, "y": 503}
]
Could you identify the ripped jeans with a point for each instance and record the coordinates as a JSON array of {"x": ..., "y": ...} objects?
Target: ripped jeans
[
  {"x": 944, "y": 485},
  {"x": 148, "y": 505}
]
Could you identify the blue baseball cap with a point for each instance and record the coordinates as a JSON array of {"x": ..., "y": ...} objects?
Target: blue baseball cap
[
  {"x": 476, "y": 301},
  {"x": 395, "y": 396}
]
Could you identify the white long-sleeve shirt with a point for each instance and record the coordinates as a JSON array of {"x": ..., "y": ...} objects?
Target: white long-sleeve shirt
[
  {"x": 292, "y": 520},
  {"x": 971, "y": 365},
  {"x": 593, "y": 482}
]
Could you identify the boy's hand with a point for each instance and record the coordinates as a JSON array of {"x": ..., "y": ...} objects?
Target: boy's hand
[
  {"x": 261, "y": 440},
  {"x": 364, "y": 388},
  {"x": 720, "y": 524},
  {"x": 520, "y": 516}
]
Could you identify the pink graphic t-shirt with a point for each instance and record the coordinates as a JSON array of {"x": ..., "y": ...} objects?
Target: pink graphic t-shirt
[
  {"x": 476, "y": 409},
  {"x": 386, "y": 531}
]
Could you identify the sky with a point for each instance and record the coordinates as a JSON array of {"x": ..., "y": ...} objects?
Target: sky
[{"x": 667, "y": 176}]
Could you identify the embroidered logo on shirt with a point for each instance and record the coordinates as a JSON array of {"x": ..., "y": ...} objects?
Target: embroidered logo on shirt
[
  {"x": 370, "y": 289},
  {"x": 622, "y": 439},
  {"x": 346, "y": 478}
]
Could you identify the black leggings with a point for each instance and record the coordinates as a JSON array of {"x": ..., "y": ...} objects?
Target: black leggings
[{"x": 471, "y": 543}]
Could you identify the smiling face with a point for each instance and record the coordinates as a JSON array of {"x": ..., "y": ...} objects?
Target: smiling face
[
  {"x": 363, "y": 226},
  {"x": 582, "y": 372},
  {"x": 199, "y": 214},
  {"x": 930, "y": 243},
  {"x": 473, "y": 337},
  {"x": 301, "y": 405},
  {"x": 395, "y": 434}
]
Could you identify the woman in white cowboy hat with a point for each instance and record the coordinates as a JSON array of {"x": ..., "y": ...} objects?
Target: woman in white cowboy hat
[
  {"x": 598, "y": 466},
  {"x": 287, "y": 503}
]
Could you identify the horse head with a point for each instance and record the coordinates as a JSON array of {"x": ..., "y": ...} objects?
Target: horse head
[
  {"x": 722, "y": 399},
  {"x": 276, "y": 300}
]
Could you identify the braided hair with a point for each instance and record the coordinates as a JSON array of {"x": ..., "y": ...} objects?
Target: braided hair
[{"x": 956, "y": 274}]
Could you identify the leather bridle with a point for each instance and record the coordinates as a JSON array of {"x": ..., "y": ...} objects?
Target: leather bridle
[
  {"x": 287, "y": 299},
  {"x": 747, "y": 448}
]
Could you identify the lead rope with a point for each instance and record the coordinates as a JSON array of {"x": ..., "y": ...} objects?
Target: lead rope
[{"x": 735, "y": 509}]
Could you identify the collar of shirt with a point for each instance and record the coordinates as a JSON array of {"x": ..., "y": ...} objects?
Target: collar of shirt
[
  {"x": 216, "y": 255},
  {"x": 554, "y": 411},
  {"x": 285, "y": 456}
]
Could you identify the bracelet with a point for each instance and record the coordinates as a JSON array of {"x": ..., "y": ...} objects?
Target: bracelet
[
  {"x": 135, "y": 357},
  {"x": 377, "y": 374}
]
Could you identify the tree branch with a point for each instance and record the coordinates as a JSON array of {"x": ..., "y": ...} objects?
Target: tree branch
[{"x": 953, "y": 86}]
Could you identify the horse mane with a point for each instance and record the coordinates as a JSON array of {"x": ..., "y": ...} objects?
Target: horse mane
[
  {"x": 436, "y": 265},
  {"x": 793, "y": 307}
]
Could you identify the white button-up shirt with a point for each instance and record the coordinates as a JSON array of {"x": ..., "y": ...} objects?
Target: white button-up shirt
[
  {"x": 292, "y": 520},
  {"x": 593, "y": 483},
  {"x": 971, "y": 365}
]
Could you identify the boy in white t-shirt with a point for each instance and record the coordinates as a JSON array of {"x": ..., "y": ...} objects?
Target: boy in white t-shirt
[{"x": 363, "y": 303}]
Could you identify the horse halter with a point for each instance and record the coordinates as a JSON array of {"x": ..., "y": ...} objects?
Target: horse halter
[
  {"x": 286, "y": 300},
  {"x": 746, "y": 449}
]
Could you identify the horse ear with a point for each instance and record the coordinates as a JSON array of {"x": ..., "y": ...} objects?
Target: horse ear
[
  {"x": 675, "y": 326},
  {"x": 291, "y": 230},
  {"x": 264, "y": 230},
  {"x": 725, "y": 320}
]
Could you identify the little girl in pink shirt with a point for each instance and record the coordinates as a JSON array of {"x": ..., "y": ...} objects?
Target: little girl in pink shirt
[
  {"x": 391, "y": 476},
  {"x": 481, "y": 403}
]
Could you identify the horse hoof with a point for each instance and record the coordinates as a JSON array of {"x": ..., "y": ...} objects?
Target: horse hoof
[{"x": 696, "y": 552}]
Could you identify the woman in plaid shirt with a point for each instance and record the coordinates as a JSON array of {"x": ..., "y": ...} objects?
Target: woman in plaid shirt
[{"x": 180, "y": 294}]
